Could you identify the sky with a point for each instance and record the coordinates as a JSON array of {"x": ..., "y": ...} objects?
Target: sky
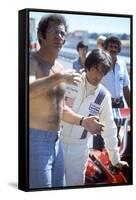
[{"x": 91, "y": 23}]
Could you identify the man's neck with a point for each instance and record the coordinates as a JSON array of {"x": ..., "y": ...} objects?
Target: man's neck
[
  {"x": 82, "y": 60},
  {"x": 47, "y": 56}
]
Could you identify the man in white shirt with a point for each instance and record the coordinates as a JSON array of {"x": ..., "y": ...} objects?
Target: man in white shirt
[
  {"x": 89, "y": 98},
  {"x": 117, "y": 80}
]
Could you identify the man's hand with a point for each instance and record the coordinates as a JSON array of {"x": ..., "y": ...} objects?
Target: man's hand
[
  {"x": 92, "y": 124},
  {"x": 72, "y": 78},
  {"x": 121, "y": 164}
]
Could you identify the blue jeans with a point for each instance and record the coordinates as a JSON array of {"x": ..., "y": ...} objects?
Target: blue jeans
[{"x": 46, "y": 164}]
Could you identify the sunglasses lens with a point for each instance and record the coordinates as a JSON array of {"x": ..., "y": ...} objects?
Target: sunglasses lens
[{"x": 57, "y": 32}]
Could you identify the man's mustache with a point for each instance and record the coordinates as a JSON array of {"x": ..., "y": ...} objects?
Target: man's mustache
[{"x": 113, "y": 52}]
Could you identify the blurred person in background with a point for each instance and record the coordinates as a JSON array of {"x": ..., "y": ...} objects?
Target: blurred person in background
[
  {"x": 117, "y": 80},
  {"x": 78, "y": 64},
  {"x": 100, "y": 41}
]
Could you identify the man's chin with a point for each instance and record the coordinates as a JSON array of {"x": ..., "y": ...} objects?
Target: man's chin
[
  {"x": 59, "y": 46},
  {"x": 113, "y": 54},
  {"x": 95, "y": 83}
]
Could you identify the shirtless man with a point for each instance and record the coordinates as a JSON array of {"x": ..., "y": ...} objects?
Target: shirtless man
[{"x": 47, "y": 109}]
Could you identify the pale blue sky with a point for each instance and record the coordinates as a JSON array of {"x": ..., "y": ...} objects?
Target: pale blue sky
[{"x": 99, "y": 24}]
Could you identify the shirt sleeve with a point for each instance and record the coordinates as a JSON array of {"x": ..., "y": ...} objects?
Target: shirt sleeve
[
  {"x": 126, "y": 81},
  {"x": 74, "y": 65},
  {"x": 110, "y": 131}
]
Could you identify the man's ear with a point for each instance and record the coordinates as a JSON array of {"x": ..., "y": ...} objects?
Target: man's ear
[{"x": 41, "y": 37}]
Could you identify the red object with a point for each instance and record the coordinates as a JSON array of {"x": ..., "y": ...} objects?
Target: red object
[
  {"x": 125, "y": 112},
  {"x": 102, "y": 163}
]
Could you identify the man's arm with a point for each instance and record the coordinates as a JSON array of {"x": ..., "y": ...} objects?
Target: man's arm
[
  {"x": 127, "y": 95},
  {"x": 110, "y": 131},
  {"x": 110, "y": 134},
  {"x": 126, "y": 86},
  {"x": 42, "y": 85},
  {"x": 90, "y": 124}
]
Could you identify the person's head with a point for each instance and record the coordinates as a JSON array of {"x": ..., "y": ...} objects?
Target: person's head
[
  {"x": 113, "y": 45},
  {"x": 100, "y": 41},
  {"x": 98, "y": 64},
  {"x": 82, "y": 49},
  {"x": 53, "y": 26}
]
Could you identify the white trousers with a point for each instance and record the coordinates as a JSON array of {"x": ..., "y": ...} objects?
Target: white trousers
[{"x": 75, "y": 157}]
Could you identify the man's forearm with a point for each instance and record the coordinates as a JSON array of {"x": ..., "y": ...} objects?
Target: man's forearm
[
  {"x": 44, "y": 84},
  {"x": 90, "y": 124},
  {"x": 71, "y": 117},
  {"x": 127, "y": 95}
]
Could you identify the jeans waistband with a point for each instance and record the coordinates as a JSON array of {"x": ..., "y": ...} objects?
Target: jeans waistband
[{"x": 48, "y": 135}]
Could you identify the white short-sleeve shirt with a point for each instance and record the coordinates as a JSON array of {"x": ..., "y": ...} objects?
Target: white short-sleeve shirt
[{"x": 116, "y": 80}]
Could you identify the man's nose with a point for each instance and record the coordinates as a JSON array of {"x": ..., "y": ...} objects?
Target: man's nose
[
  {"x": 99, "y": 76},
  {"x": 59, "y": 34},
  {"x": 114, "y": 48}
]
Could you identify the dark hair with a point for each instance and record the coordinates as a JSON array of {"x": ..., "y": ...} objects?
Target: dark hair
[
  {"x": 112, "y": 39},
  {"x": 99, "y": 58},
  {"x": 44, "y": 23},
  {"x": 81, "y": 45}
]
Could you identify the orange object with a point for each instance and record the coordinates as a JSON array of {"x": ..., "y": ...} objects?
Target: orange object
[{"x": 99, "y": 161}]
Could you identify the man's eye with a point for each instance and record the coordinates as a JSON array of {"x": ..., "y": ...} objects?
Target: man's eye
[{"x": 62, "y": 33}]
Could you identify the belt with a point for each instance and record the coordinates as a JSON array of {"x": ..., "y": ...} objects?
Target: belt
[{"x": 116, "y": 100}]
